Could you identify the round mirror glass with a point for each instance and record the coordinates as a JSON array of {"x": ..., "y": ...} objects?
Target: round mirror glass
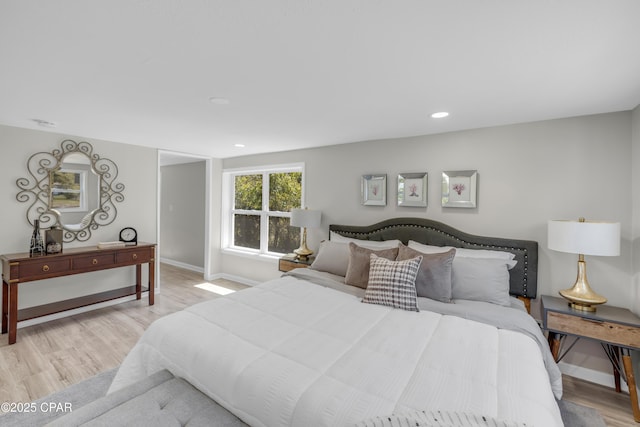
[{"x": 74, "y": 191}]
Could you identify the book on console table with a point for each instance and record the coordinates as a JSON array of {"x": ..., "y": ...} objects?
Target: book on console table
[{"x": 111, "y": 245}]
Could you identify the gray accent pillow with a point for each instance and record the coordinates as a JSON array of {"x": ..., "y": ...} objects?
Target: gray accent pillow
[
  {"x": 482, "y": 279},
  {"x": 393, "y": 283},
  {"x": 333, "y": 257},
  {"x": 434, "y": 277},
  {"x": 359, "y": 263}
]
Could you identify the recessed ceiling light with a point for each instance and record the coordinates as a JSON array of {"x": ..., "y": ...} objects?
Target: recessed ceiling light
[
  {"x": 239, "y": 145},
  {"x": 440, "y": 115},
  {"x": 218, "y": 101},
  {"x": 45, "y": 123}
]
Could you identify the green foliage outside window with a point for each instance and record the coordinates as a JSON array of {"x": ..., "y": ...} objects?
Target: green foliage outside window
[
  {"x": 285, "y": 193},
  {"x": 248, "y": 189},
  {"x": 65, "y": 190}
]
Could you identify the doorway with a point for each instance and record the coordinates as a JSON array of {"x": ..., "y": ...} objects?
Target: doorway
[{"x": 183, "y": 210}]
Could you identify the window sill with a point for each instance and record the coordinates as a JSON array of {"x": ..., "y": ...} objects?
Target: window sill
[{"x": 251, "y": 255}]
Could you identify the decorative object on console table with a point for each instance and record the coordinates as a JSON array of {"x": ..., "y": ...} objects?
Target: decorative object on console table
[
  {"x": 617, "y": 329},
  {"x": 111, "y": 245},
  {"x": 53, "y": 240},
  {"x": 412, "y": 189},
  {"x": 460, "y": 189},
  {"x": 36, "y": 247},
  {"x": 374, "y": 190},
  {"x": 584, "y": 238},
  {"x": 129, "y": 236},
  {"x": 291, "y": 261},
  {"x": 304, "y": 218}
]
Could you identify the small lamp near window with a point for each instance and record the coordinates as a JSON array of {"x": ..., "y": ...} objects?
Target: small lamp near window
[
  {"x": 584, "y": 238},
  {"x": 304, "y": 218}
]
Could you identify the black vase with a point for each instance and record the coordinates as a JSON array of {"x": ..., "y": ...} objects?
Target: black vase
[{"x": 37, "y": 246}]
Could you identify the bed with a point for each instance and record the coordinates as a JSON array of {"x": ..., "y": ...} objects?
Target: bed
[{"x": 317, "y": 348}]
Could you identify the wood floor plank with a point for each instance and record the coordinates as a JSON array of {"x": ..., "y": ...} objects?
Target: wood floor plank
[{"x": 54, "y": 355}]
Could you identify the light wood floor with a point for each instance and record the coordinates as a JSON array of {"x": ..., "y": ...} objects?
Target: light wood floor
[{"x": 53, "y": 355}]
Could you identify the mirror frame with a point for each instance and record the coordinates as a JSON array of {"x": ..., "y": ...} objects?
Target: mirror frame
[{"x": 36, "y": 190}]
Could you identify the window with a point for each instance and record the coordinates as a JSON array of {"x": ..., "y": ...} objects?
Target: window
[{"x": 260, "y": 203}]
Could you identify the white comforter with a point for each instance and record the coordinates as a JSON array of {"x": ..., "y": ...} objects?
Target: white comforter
[{"x": 291, "y": 353}]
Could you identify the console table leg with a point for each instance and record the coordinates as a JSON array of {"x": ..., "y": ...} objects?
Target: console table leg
[
  {"x": 5, "y": 306},
  {"x": 631, "y": 382},
  {"x": 13, "y": 312},
  {"x": 152, "y": 281},
  {"x": 138, "y": 281}
]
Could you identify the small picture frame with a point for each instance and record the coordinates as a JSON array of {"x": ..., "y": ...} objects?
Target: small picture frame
[
  {"x": 374, "y": 190},
  {"x": 460, "y": 189},
  {"x": 412, "y": 189}
]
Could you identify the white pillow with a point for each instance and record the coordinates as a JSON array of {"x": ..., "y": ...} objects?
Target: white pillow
[
  {"x": 369, "y": 244},
  {"x": 461, "y": 252},
  {"x": 481, "y": 279},
  {"x": 332, "y": 257}
]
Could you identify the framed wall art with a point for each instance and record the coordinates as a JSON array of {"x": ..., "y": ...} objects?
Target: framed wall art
[
  {"x": 459, "y": 189},
  {"x": 374, "y": 190},
  {"x": 412, "y": 189}
]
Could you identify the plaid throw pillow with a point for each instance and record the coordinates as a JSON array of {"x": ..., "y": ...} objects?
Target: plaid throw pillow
[{"x": 393, "y": 283}]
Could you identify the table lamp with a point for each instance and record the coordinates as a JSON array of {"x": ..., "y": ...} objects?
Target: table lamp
[
  {"x": 304, "y": 218},
  {"x": 584, "y": 238}
]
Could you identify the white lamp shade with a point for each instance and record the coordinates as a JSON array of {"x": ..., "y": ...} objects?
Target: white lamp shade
[
  {"x": 305, "y": 218},
  {"x": 586, "y": 238}
]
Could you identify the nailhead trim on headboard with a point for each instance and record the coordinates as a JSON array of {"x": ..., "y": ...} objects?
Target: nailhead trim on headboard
[{"x": 523, "y": 276}]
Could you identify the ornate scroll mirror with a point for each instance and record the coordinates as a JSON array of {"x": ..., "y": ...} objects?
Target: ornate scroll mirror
[{"x": 71, "y": 188}]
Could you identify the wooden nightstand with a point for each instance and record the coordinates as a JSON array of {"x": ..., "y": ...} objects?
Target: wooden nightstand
[
  {"x": 617, "y": 330},
  {"x": 289, "y": 262}
]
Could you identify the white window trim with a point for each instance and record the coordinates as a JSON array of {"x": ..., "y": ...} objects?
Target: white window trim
[{"x": 228, "y": 181}]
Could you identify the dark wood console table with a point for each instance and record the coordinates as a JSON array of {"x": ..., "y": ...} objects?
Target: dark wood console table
[{"x": 20, "y": 268}]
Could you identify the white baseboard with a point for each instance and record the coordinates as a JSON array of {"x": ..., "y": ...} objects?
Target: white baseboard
[
  {"x": 591, "y": 375},
  {"x": 234, "y": 278},
  {"x": 182, "y": 265},
  {"x": 210, "y": 277}
]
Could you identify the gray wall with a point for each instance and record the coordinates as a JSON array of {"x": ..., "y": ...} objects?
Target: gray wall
[
  {"x": 528, "y": 173},
  {"x": 137, "y": 167},
  {"x": 635, "y": 179},
  {"x": 182, "y": 213}
]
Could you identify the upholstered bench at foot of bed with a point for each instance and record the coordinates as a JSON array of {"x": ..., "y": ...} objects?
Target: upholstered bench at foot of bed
[{"x": 159, "y": 400}]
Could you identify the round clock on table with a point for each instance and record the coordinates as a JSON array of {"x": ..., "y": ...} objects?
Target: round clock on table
[{"x": 129, "y": 236}]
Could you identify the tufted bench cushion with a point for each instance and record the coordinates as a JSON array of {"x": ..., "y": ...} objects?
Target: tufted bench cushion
[{"x": 159, "y": 400}]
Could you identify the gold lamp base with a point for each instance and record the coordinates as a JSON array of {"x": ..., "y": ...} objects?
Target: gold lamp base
[
  {"x": 581, "y": 296},
  {"x": 303, "y": 252}
]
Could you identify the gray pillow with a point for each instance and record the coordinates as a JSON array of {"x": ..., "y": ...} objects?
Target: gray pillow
[
  {"x": 481, "y": 279},
  {"x": 434, "y": 277},
  {"x": 359, "y": 263},
  {"x": 333, "y": 257},
  {"x": 393, "y": 283}
]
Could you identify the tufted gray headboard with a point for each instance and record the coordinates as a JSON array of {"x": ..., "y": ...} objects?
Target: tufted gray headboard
[{"x": 523, "y": 280}]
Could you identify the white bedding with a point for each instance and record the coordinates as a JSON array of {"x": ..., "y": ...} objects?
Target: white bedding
[{"x": 292, "y": 353}]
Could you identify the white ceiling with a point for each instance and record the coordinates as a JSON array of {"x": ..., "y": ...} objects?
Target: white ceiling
[{"x": 304, "y": 73}]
